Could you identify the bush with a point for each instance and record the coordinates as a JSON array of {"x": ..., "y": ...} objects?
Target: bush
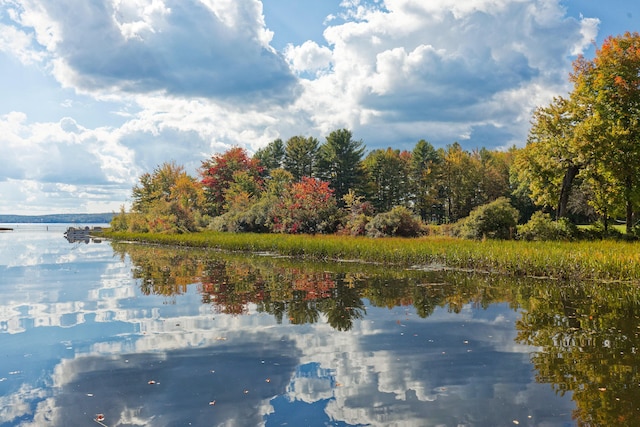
[
  {"x": 253, "y": 218},
  {"x": 357, "y": 215},
  {"x": 495, "y": 220},
  {"x": 542, "y": 227},
  {"x": 399, "y": 221},
  {"x": 307, "y": 206}
]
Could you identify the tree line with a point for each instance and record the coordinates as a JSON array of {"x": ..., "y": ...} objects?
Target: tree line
[{"x": 581, "y": 162}]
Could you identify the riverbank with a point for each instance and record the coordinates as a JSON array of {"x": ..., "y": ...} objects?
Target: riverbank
[{"x": 600, "y": 260}]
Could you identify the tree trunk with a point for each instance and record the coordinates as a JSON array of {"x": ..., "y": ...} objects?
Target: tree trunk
[
  {"x": 629, "y": 219},
  {"x": 567, "y": 181}
]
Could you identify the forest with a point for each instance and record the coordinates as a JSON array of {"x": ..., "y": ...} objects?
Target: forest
[{"x": 580, "y": 166}]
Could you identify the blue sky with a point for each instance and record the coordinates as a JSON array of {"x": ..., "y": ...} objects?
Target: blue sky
[{"x": 96, "y": 93}]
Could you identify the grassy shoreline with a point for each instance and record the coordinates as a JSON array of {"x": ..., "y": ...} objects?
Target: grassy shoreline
[{"x": 600, "y": 260}]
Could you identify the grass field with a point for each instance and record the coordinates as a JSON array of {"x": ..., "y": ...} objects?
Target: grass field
[{"x": 585, "y": 260}]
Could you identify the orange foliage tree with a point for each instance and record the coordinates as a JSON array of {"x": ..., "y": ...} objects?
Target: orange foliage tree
[{"x": 307, "y": 206}]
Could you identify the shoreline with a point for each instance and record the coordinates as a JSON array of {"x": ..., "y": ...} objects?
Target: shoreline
[{"x": 569, "y": 261}]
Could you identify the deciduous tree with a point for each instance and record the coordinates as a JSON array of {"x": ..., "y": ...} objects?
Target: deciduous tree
[
  {"x": 607, "y": 88},
  {"x": 307, "y": 206},
  {"x": 217, "y": 174}
]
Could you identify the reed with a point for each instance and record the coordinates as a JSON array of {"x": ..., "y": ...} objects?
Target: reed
[{"x": 601, "y": 260}]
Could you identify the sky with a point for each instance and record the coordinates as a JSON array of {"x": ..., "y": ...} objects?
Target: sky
[{"x": 94, "y": 94}]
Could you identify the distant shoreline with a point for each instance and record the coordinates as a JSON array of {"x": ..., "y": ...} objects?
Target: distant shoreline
[{"x": 99, "y": 218}]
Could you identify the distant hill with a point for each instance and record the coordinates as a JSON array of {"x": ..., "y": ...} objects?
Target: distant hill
[{"x": 99, "y": 218}]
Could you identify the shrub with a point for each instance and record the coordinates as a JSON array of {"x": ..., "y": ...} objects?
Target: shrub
[
  {"x": 542, "y": 227},
  {"x": 119, "y": 222},
  {"x": 399, "y": 221},
  {"x": 495, "y": 220},
  {"x": 307, "y": 206},
  {"x": 358, "y": 214},
  {"x": 253, "y": 218}
]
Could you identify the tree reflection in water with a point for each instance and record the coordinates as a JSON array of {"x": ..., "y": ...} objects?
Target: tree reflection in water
[
  {"x": 589, "y": 340},
  {"x": 587, "y": 334}
]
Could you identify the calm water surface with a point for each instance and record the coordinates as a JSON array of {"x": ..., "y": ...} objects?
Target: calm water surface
[{"x": 128, "y": 335}]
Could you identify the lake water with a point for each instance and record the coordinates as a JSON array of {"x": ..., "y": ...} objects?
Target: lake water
[{"x": 130, "y": 335}]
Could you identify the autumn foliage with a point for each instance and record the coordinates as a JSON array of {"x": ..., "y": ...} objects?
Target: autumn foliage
[
  {"x": 217, "y": 174},
  {"x": 307, "y": 206}
]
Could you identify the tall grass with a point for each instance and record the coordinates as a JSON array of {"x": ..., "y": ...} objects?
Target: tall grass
[{"x": 601, "y": 260}]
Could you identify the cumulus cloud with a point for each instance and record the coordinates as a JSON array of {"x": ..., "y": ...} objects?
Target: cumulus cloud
[
  {"x": 189, "y": 78},
  {"x": 448, "y": 62},
  {"x": 309, "y": 57},
  {"x": 185, "y": 48}
]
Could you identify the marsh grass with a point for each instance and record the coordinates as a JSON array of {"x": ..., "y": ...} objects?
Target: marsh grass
[{"x": 599, "y": 260}]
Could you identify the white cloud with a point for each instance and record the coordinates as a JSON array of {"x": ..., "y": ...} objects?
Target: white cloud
[
  {"x": 181, "y": 80},
  {"x": 309, "y": 57},
  {"x": 19, "y": 44},
  {"x": 446, "y": 62},
  {"x": 182, "y": 48}
]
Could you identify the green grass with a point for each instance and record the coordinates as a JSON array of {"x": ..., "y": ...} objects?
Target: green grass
[{"x": 586, "y": 260}]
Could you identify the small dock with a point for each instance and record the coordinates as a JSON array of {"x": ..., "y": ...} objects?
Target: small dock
[{"x": 79, "y": 234}]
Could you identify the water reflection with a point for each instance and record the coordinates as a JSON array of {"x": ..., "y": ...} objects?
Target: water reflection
[
  {"x": 589, "y": 336},
  {"x": 153, "y": 337}
]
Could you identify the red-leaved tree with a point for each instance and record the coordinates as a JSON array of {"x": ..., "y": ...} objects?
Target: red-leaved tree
[
  {"x": 307, "y": 206},
  {"x": 217, "y": 174}
]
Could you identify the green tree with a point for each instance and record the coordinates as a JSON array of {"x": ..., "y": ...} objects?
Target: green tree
[
  {"x": 168, "y": 199},
  {"x": 387, "y": 173},
  {"x": 547, "y": 166},
  {"x": 425, "y": 178},
  {"x": 340, "y": 162},
  {"x": 607, "y": 88},
  {"x": 272, "y": 156},
  {"x": 493, "y": 171},
  {"x": 459, "y": 180},
  {"x": 301, "y": 156}
]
